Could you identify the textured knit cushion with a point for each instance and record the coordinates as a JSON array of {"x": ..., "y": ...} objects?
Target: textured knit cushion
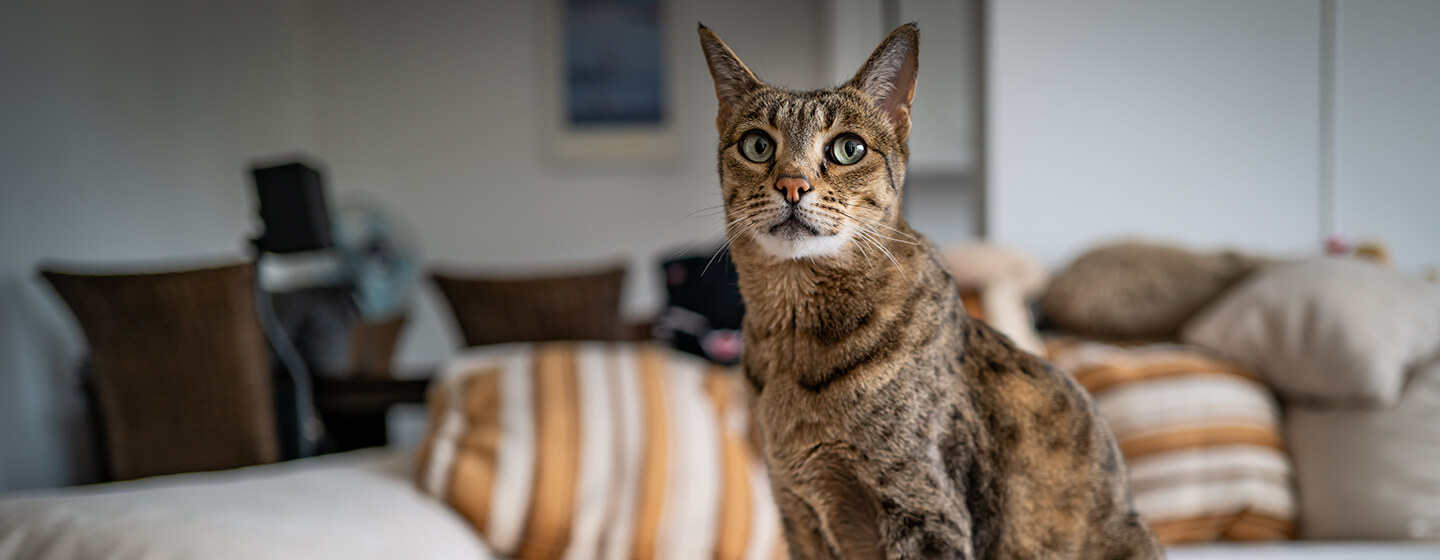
[
  {"x": 1326, "y": 331},
  {"x": 1201, "y": 438},
  {"x": 1139, "y": 291},
  {"x": 595, "y": 450},
  {"x": 496, "y": 309}
]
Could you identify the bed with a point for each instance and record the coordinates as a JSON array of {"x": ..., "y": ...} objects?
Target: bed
[{"x": 354, "y": 505}]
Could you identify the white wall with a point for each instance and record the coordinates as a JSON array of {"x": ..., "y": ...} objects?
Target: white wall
[
  {"x": 433, "y": 107},
  {"x": 1387, "y": 126},
  {"x": 1191, "y": 121},
  {"x": 127, "y": 129},
  {"x": 944, "y": 137}
]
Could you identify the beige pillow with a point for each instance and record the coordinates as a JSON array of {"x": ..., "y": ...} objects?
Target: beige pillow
[
  {"x": 1326, "y": 331},
  {"x": 1371, "y": 474}
]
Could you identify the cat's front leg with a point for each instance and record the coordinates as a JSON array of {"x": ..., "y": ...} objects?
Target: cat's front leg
[
  {"x": 927, "y": 535},
  {"x": 921, "y": 518},
  {"x": 804, "y": 537}
]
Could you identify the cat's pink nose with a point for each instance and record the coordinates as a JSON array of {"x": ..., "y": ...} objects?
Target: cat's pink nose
[{"x": 793, "y": 188}]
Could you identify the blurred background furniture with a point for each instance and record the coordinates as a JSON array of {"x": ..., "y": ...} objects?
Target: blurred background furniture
[
  {"x": 179, "y": 368},
  {"x": 493, "y": 309}
]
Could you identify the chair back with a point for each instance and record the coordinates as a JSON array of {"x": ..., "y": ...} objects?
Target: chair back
[
  {"x": 179, "y": 367},
  {"x": 492, "y": 309}
]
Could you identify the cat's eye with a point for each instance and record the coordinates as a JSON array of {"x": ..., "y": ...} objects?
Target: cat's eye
[
  {"x": 846, "y": 149},
  {"x": 757, "y": 146}
]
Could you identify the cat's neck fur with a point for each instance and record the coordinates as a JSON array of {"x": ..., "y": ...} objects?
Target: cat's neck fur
[{"x": 807, "y": 305}]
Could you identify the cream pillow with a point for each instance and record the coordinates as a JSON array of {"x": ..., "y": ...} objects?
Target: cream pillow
[
  {"x": 1326, "y": 331},
  {"x": 1371, "y": 474}
]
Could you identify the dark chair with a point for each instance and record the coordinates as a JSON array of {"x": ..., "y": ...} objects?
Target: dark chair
[
  {"x": 495, "y": 309},
  {"x": 179, "y": 368}
]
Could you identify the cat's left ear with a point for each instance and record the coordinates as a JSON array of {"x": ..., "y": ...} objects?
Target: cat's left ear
[
  {"x": 889, "y": 75},
  {"x": 732, "y": 79}
]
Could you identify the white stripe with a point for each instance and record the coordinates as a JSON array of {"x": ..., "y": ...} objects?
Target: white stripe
[
  {"x": 625, "y": 382},
  {"x": 442, "y": 448},
  {"x": 597, "y": 445},
  {"x": 515, "y": 458},
  {"x": 687, "y": 529},
  {"x": 1250, "y": 458},
  {"x": 1251, "y": 468},
  {"x": 1216, "y": 498},
  {"x": 765, "y": 516},
  {"x": 1163, "y": 403},
  {"x": 452, "y": 422}
]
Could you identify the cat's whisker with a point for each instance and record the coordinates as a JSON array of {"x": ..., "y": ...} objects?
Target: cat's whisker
[
  {"x": 877, "y": 223},
  {"x": 868, "y": 262},
  {"x": 887, "y": 252},
  {"x": 870, "y": 222},
  {"x": 729, "y": 239},
  {"x": 691, "y": 246},
  {"x": 875, "y": 233},
  {"x": 692, "y": 214}
]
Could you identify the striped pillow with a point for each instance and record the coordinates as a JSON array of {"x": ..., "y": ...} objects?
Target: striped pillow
[
  {"x": 1201, "y": 437},
  {"x": 583, "y": 450}
]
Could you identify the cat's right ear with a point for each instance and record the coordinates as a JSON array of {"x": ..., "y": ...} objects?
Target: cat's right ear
[{"x": 732, "y": 79}]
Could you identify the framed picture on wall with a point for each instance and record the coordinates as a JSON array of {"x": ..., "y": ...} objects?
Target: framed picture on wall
[{"x": 609, "y": 81}]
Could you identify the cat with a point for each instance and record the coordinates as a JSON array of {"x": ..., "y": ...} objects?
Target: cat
[{"x": 893, "y": 425}]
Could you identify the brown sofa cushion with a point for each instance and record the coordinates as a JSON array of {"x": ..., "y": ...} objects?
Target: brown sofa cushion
[
  {"x": 180, "y": 368},
  {"x": 492, "y": 309}
]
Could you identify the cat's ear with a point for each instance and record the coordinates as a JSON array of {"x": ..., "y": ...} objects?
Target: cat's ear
[
  {"x": 889, "y": 75},
  {"x": 732, "y": 79}
]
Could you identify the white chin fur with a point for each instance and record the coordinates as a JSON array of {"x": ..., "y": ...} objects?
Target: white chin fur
[{"x": 804, "y": 247}]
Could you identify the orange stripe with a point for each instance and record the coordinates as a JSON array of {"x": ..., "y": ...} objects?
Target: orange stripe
[
  {"x": 472, "y": 479},
  {"x": 1101, "y": 377},
  {"x": 654, "y": 475},
  {"x": 733, "y": 534},
  {"x": 1240, "y": 526},
  {"x": 557, "y": 453},
  {"x": 1251, "y": 526},
  {"x": 438, "y": 400},
  {"x": 1208, "y": 436},
  {"x": 971, "y": 300}
]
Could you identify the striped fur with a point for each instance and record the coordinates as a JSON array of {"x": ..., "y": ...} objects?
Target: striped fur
[
  {"x": 894, "y": 426},
  {"x": 578, "y": 451}
]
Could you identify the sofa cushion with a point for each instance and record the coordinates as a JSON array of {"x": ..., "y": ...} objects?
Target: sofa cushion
[
  {"x": 592, "y": 450},
  {"x": 1332, "y": 331},
  {"x": 1200, "y": 436},
  {"x": 495, "y": 308},
  {"x": 1371, "y": 474},
  {"x": 1139, "y": 291}
]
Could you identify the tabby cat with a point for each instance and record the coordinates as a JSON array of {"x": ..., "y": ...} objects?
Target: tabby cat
[{"x": 894, "y": 425}]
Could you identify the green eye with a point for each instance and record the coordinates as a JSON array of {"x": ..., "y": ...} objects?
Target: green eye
[
  {"x": 757, "y": 146},
  {"x": 846, "y": 149}
]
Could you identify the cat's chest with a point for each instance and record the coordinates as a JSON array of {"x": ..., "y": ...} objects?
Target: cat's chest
[{"x": 892, "y": 413}]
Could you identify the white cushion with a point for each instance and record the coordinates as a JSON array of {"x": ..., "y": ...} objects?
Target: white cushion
[{"x": 1371, "y": 474}]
